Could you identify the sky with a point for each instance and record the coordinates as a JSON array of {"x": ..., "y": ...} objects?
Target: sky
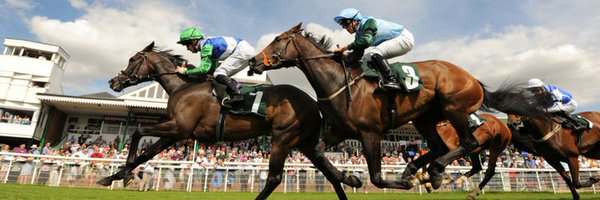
[{"x": 557, "y": 41}]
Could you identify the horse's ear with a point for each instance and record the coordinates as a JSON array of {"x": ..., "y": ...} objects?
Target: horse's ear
[
  {"x": 149, "y": 47},
  {"x": 296, "y": 28}
]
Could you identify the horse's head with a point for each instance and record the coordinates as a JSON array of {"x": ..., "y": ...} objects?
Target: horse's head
[
  {"x": 282, "y": 52},
  {"x": 145, "y": 65}
]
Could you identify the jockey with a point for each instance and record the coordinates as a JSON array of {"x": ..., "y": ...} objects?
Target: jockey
[
  {"x": 564, "y": 104},
  {"x": 234, "y": 52},
  {"x": 375, "y": 40}
]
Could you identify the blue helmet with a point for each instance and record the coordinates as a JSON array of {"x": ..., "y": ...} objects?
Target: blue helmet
[{"x": 348, "y": 13}]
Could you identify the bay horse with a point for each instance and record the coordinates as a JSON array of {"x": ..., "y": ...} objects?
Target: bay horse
[
  {"x": 558, "y": 144},
  {"x": 449, "y": 92},
  {"x": 292, "y": 120},
  {"x": 493, "y": 134}
]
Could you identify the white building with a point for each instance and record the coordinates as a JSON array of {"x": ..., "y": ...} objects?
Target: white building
[{"x": 27, "y": 68}]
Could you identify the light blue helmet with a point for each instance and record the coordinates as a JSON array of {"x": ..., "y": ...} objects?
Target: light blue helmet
[{"x": 348, "y": 13}]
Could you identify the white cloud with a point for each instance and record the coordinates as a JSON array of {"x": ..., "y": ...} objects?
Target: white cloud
[
  {"x": 20, "y": 4},
  {"x": 101, "y": 41},
  {"x": 78, "y": 3}
]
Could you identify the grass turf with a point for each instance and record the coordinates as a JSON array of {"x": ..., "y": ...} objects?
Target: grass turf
[{"x": 17, "y": 192}]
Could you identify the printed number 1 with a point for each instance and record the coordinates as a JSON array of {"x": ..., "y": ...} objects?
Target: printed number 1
[{"x": 412, "y": 80}]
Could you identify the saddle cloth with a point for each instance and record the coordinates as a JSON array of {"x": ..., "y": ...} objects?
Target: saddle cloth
[
  {"x": 254, "y": 102},
  {"x": 408, "y": 75}
]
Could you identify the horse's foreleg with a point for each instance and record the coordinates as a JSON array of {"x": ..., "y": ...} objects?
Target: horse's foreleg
[
  {"x": 276, "y": 163},
  {"x": 165, "y": 129},
  {"x": 574, "y": 169},
  {"x": 335, "y": 176},
  {"x": 413, "y": 166},
  {"x": 372, "y": 151},
  {"x": 561, "y": 170}
]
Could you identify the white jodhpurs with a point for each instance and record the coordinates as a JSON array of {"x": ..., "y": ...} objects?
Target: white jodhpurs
[
  {"x": 237, "y": 61},
  {"x": 391, "y": 48}
]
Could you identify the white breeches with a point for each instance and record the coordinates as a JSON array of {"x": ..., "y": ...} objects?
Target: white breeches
[
  {"x": 237, "y": 61},
  {"x": 391, "y": 48},
  {"x": 568, "y": 107}
]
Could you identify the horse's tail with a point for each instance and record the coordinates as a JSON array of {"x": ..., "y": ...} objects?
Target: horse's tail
[{"x": 510, "y": 99}]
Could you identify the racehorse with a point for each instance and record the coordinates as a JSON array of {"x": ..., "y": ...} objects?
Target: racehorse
[
  {"x": 493, "y": 134},
  {"x": 292, "y": 119},
  {"x": 449, "y": 92},
  {"x": 558, "y": 144}
]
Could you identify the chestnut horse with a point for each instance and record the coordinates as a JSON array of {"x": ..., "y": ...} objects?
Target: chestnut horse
[
  {"x": 292, "y": 120},
  {"x": 557, "y": 144},
  {"x": 449, "y": 92},
  {"x": 493, "y": 134}
]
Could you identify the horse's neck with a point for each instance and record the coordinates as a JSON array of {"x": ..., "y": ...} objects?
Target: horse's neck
[
  {"x": 171, "y": 82},
  {"x": 543, "y": 126},
  {"x": 325, "y": 75}
]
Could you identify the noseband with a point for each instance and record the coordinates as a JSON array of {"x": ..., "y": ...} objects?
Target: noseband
[{"x": 134, "y": 78}]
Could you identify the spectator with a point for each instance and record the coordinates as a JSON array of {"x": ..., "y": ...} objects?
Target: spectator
[
  {"x": 21, "y": 149},
  {"x": 47, "y": 149},
  {"x": 217, "y": 181},
  {"x": 72, "y": 139},
  {"x": 147, "y": 174},
  {"x": 34, "y": 150}
]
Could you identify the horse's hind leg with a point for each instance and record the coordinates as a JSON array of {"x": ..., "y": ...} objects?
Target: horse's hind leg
[{"x": 427, "y": 128}]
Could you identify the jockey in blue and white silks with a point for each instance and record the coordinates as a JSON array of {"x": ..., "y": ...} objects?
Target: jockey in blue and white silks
[
  {"x": 375, "y": 40},
  {"x": 563, "y": 100},
  {"x": 564, "y": 104}
]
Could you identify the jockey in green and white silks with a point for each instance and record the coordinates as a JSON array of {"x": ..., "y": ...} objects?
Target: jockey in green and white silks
[
  {"x": 375, "y": 40},
  {"x": 233, "y": 52}
]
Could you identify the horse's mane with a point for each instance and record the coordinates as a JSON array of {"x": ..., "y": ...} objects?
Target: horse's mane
[
  {"x": 177, "y": 59},
  {"x": 323, "y": 43}
]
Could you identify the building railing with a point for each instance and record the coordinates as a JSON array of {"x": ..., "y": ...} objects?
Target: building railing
[{"x": 251, "y": 177}]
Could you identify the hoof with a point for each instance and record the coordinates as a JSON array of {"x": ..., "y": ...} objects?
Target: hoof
[
  {"x": 428, "y": 187},
  {"x": 472, "y": 196},
  {"x": 127, "y": 180},
  {"x": 407, "y": 183},
  {"x": 436, "y": 181},
  {"x": 353, "y": 181},
  {"x": 105, "y": 181}
]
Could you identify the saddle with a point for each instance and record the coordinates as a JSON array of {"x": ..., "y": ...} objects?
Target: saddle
[{"x": 253, "y": 104}]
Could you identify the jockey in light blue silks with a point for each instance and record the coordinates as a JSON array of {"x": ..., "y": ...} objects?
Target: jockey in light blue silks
[
  {"x": 376, "y": 40},
  {"x": 564, "y": 104},
  {"x": 234, "y": 52}
]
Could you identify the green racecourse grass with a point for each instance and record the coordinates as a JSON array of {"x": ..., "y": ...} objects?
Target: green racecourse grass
[{"x": 17, "y": 192}]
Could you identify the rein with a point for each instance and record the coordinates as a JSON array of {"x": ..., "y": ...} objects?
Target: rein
[
  {"x": 548, "y": 135},
  {"x": 276, "y": 59}
]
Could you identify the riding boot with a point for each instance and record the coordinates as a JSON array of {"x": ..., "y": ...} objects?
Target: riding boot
[
  {"x": 390, "y": 79},
  {"x": 234, "y": 93},
  {"x": 572, "y": 121}
]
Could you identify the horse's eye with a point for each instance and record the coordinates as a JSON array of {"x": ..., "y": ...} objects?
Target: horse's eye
[
  {"x": 131, "y": 60},
  {"x": 277, "y": 39}
]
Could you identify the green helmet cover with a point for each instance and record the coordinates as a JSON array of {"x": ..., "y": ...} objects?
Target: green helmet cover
[{"x": 190, "y": 34}]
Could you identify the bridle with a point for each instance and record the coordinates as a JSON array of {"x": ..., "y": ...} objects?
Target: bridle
[
  {"x": 277, "y": 59},
  {"x": 134, "y": 78}
]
